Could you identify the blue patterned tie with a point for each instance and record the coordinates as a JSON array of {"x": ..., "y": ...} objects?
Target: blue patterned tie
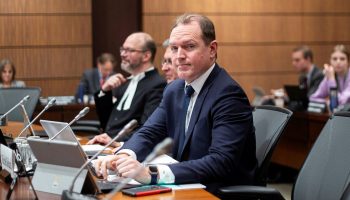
[{"x": 188, "y": 93}]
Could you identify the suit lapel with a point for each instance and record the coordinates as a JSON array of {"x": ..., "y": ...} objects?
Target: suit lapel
[{"x": 198, "y": 106}]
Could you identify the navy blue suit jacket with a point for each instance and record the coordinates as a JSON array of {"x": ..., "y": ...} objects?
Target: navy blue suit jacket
[{"x": 219, "y": 147}]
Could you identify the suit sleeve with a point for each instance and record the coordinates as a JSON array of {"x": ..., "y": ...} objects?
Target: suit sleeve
[
  {"x": 151, "y": 133},
  {"x": 152, "y": 101},
  {"x": 232, "y": 128}
]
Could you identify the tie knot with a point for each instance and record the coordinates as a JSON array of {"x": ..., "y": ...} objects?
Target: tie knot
[{"x": 189, "y": 90}]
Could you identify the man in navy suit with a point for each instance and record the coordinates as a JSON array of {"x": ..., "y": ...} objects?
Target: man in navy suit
[
  {"x": 92, "y": 79},
  {"x": 207, "y": 114}
]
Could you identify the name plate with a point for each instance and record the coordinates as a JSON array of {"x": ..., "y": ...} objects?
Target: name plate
[{"x": 8, "y": 160}]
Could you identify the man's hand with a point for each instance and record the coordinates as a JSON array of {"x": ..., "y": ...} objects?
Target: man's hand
[
  {"x": 113, "y": 82},
  {"x": 101, "y": 165},
  {"x": 127, "y": 167},
  {"x": 100, "y": 139}
]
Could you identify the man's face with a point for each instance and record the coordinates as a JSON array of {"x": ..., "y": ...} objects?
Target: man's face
[
  {"x": 191, "y": 56},
  {"x": 299, "y": 62},
  {"x": 106, "y": 69},
  {"x": 131, "y": 54},
  {"x": 168, "y": 67}
]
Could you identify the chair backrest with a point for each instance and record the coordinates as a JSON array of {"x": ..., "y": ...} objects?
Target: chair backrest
[
  {"x": 11, "y": 96},
  {"x": 269, "y": 123},
  {"x": 326, "y": 170}
]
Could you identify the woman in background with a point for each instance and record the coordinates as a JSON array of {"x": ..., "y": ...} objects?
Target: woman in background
[
  {"x": 336, "y": 76},
  {"x": 8, "y": 75}
]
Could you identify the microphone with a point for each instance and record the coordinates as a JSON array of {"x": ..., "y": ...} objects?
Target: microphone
[
  {"x": 26, "y": 98},
  {"x": 81, "y": 114},
  {"x": 49, "y": 105},
  {"x": 69, "y": 194},
  {"x": 159, "y": 149}
]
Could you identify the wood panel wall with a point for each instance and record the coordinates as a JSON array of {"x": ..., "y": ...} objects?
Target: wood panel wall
[
  {"x": 50, "y": 42},
  {"x": 256, "y": 37}
]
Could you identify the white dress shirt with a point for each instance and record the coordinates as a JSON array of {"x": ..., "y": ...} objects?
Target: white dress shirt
[
  {"x": 128, "y": 96},
  {"x": 166, "y": 176}
]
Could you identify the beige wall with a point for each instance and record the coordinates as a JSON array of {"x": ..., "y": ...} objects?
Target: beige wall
[
  {"x": 256, "y": 36},
  {"x": 49, "y": 41}
]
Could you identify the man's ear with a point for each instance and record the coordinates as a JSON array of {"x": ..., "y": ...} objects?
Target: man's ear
[
  {"x": 147, "y": 56},
  {"x": 213, "y": 49}
]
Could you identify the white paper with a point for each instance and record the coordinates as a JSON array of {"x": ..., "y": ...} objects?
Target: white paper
[
  {"x": 186, "y": 186},
  {"x": 94, "y": 148},
  {"x": 8, "y": 160},
  {"x": 115, "y": 178}
]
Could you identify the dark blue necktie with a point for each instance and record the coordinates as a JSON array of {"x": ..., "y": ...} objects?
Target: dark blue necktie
[{"x": 188, "y": 93}]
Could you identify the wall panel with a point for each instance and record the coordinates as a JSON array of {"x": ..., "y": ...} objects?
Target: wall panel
[
  {"x": 25, "y": 7},
  {"x": 50, "y": 42},
  {"x": 152, "y": 7},
  {"x": 256, "y": 37}
]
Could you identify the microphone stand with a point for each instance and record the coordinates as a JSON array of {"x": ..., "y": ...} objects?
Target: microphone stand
[
  {"x": 51, "y": 103},
  {"x": 159, "y": 149},
  {"x": 80, "y": 115},
  {"x": 26, "y": 120},
  {"x": 14, "y": 107}
]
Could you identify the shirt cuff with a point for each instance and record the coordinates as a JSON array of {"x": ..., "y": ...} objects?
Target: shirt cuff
[
  {"x": 166, "y": 176},
  {"x": 129, "y": 152},
  {"x": 101, "y": 94}
]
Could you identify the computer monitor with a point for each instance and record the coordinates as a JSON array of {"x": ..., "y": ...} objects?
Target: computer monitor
[{"x": 298, "y": 99}]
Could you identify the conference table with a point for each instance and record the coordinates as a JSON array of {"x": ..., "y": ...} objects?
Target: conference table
[{"x": 23, "y": 190}]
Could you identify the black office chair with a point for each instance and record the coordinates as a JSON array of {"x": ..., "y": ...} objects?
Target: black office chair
[
  {"x": 325, "y": 173},
  {"x": 87, "y": 126},
  {"x": 269, "y": 123},
  {"x": 11, "y": 96}
]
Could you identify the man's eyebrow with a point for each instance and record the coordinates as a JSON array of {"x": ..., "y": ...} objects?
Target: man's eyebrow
[{"x": 189, "y": 41}]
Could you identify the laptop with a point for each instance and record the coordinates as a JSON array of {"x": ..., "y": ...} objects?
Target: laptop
[
  {"x": 298, "y": 99},
  {"x": 53, "y": 127},
  {"x": 58, "y": 163}
]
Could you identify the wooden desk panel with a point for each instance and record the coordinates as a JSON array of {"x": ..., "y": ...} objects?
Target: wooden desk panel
[
  {"x": 23, "y": 191},
  {"x": 298, "y": 138}
]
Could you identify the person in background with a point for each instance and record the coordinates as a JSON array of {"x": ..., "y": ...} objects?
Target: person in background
[
  {"x": 204, "y": 111},
  {"x": 168, "y": 67},
  {"x": 136, "y": 96},
  {"x": 336, "y": 76},
  {"x": 310, "y": 76},
  {"x": 92, "y": 79},
  {"x": 8, "y": 75}
]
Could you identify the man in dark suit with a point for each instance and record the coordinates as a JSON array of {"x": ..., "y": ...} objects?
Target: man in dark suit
[
  {"x": 135, "y": 97},
  {"x": 310, "y": 75},
  {"x": 93, "y": 79},
  {"x": 206, "y": 113}
]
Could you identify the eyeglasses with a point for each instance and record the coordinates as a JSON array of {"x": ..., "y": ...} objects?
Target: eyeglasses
[
  {"x": 129, "y": 50},
  {"x": 166, "y": 61}
]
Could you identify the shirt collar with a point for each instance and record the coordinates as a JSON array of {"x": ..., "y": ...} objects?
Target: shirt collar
[
  {"x": 140, "y": 75},
  {"x": 308, "y": 75},
  {"x": 199, "y": 82}
]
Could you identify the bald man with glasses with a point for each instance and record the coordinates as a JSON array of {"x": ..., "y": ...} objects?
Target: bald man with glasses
[{"x": 136, "y": 96}]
